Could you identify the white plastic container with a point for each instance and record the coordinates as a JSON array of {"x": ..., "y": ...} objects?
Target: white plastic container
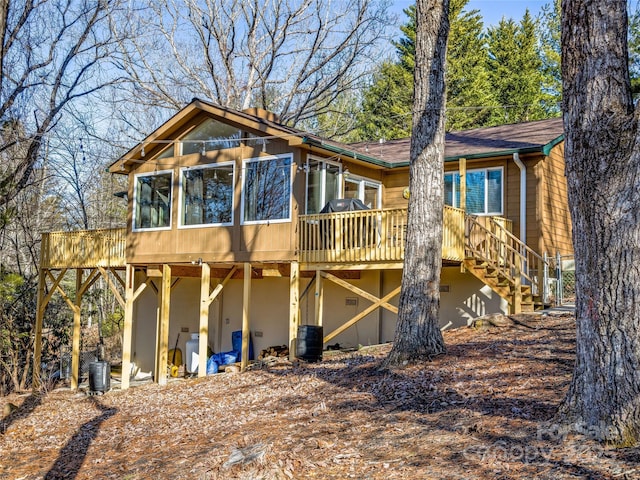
[{"x": 193, "y": 347}]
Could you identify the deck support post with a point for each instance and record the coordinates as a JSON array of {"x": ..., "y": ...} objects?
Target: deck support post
[
  {"x": 319, "y": 297},
  {"x": 463, "y": 184},
  {"x": 127, "y": 333},
  {"x": 205, "y": 280},
  {"x": 294, "y": 310},
  {"x": 37, "y": 346},
  {"x": 246, "y": 299},
  {"x": 516, "y": 306},
  {"x": 77, "y": 326},
  {"x": 164, "y": 302}
]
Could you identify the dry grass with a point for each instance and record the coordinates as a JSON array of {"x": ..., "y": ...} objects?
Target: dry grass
[{"x": 485, "y": 410}]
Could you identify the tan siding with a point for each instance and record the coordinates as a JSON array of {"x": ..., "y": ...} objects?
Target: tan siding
[
  {"x": 394, "y": 184},
  {"x": 555, "y": 218},
  {"x": 261, "y": 242}
]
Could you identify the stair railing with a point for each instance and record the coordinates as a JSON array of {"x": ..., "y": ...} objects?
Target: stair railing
[{"x": 490, "y": 241}]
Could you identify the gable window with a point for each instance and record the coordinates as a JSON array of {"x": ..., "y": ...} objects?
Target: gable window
[
  {"x": 210, "y": 135},
  {"x": 323, "y": 184},
  {"x": 266, "y": 189},
  {"x": 368, "y": 191},
  {"x": 207, "y": 195},
  {"x": 152, "y": 201},
  {"x": 484, "y": 191}
]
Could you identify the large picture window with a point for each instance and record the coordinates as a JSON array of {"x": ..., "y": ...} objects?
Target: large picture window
[
  {"x": 207, "y": 195},
  {"x": 323, "y": 184},
  {"x": 266, "y": 189},
  {"x": 484, "y": 191},
  {"x": 152, "y": 201}
]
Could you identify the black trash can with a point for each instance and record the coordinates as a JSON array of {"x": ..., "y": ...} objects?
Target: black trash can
[
  {"x": 309, "y": 346},
  {"x": 99, "y": 377}
]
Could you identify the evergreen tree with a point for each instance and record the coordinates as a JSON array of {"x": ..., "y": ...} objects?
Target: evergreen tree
[
  {"x": 515, "y": 70},
  {"x": 386, "y": 106},
  {"x": 548, "y": 30},
  {"x": 549, "y": 35},
  {"x": 468, "y": 86}
]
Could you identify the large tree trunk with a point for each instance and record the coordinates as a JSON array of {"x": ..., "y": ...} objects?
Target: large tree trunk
[
  {"x": 603, "y": 171},
  {"x": 418, "y": 333}
]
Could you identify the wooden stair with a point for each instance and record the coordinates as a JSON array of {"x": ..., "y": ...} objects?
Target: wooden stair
[
  {"x": 504, "y": 286},
  {"x": 504, "y": 263}
]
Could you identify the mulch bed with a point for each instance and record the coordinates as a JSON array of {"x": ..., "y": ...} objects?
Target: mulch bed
[{"x": 484, "y": 410}]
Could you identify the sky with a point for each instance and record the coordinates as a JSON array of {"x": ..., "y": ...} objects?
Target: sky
[{"x": 492, "y": 10}]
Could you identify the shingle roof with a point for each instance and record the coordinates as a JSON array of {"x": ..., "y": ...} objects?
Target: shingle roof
[{"x": 479, "y": 142}]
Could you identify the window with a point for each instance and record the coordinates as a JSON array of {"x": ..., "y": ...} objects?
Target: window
[
  {"x": 207, "y": 195},
  {"x": 210, "y": 135},
  {"x": 484, "y": 191},
  {"x": 152, "y": 201},
  {"x": 323, "y": 184},
  {"x": 368, "y": 191},
  {"x": 266, "y": 189}
]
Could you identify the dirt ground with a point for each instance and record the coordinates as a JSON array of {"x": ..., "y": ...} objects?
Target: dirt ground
[{"x": 484, "y": 410}]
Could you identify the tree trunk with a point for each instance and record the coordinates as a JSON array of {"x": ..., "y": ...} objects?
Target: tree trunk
[
  {"x": 603, "y": 171},
  {"x": 418, "y": 333}
]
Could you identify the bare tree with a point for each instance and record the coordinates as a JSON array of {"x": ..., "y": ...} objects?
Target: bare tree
[
  {"x": 418, "y": 335},
  {"x": 46, "y": 69},
  {"x": 294, "y": 57},
  {"x": 603, "y": 171}
]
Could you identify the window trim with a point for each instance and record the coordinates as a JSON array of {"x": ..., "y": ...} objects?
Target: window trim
[
  {"x": 485, "y": 213},
  {"x": 245, "y": 161},
  {"x": 135, "y": 201},
  {"x": 323, "y": 181},
  {"x": 181, "y": 224},
  {"x": 362, "y": 183}
]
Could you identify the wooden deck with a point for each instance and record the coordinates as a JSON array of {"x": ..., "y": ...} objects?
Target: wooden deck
[
  {"x": 83, "y": 249},
  {"x": 370, "y": 236},
  {"x": 349, "y": 238}
]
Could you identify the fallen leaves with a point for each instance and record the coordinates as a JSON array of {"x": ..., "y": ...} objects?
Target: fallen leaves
[{"x": 484, "y": 410}]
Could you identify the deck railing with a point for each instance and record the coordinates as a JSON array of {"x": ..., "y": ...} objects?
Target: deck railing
[
  {"x": 491, "y": 240},
  {"x": 370, "y": 236},
  {"x": 84, "y": 249}
]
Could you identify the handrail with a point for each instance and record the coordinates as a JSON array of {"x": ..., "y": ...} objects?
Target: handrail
[
  {"x": 370, "y": 236},
  {"x": 505, "y": 252},
  {"x": 517, "y": 241}
]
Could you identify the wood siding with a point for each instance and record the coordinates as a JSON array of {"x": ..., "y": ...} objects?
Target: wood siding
[
  {"x": 268, "y": 241},
  {"x": 394, "y": 183},
  {"x": 554, "y": 215}
]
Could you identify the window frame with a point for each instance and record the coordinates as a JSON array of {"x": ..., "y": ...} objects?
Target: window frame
[
  {"x": 135, "y": 201},
  {"x": 245, "y": 162},
  {"x": 323, "y": 181},
  {"x": 456, "y": 190},
  {"x": 362, "y": 183},
  {"x": 181, "y": 196}
]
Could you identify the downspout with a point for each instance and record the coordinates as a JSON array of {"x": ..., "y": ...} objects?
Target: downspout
[{"x": 523, "y": 197}]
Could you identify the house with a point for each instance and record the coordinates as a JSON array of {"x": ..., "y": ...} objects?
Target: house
[{"x": 232, "y": 226}]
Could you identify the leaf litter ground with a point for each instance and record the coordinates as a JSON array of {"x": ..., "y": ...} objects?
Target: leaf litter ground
[{"x": 484, "y": 410}]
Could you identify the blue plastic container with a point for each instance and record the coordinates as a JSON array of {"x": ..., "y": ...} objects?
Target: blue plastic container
[{"x": 236, "y": 344}]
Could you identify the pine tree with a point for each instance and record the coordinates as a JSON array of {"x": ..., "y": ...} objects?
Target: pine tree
[
  {"x": 515, "y": 70},
  {"x": 386, "y": 106},
  {"x": 548, "y": 31},
  {"x": 468, "y": 86}
]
